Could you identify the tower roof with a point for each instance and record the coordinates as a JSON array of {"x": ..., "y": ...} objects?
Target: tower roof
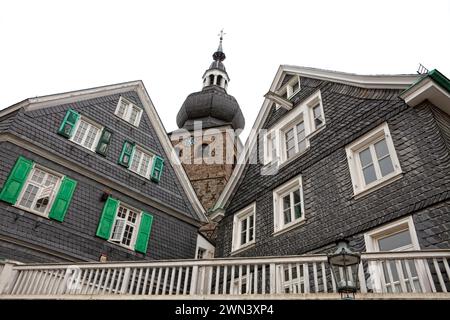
[{"x": 213, "y": 106}]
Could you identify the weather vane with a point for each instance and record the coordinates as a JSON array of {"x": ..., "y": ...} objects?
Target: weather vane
[{"x": 221, "y": 34}]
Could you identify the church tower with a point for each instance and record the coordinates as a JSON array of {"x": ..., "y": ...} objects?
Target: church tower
[{"x": 207, "y": 140}]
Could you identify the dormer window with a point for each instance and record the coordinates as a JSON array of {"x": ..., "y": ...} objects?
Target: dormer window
[
  {"x": 128, "y": 111},
  {"x": 293, "y": 87}
]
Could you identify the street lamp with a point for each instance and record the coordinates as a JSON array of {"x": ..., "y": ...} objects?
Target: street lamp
[{"x": 344, "y": 265}]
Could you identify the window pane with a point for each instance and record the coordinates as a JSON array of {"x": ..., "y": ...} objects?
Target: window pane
[
  {"x": 298, "y": 211},
  {"x": 136, "y": 160},
  {"x": 295, "y": 87},
  {"x": 81, "y": 131},
  {"x": 145, "y": 165},
  {"x": 251, "y": 227},
  {"x": 118, "y": 228},
  {"x": 296, "y": 195},
  {"x": 290, "y": 134},
  {"x": 28, "y": 196},
  {"x": 133, "y": 115},
  {"x": 286, "y": 202},
  {"x": 381, "y": 149},
  {"x": 395, "y": 241},
  {"x": 369, "y": 174},
  {"x": 287, "y": 216},
  {"x": 386, "y": 166},
  {"x": 91, "y": 135},
  {"x": 122, "y": 108},
  {"x": 365, "y": 157}
]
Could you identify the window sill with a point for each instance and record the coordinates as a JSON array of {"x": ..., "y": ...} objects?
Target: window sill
[
  {"x": 122, "y": 245},
  {"x": 382, "y": 183},
  {"x": 290, "y": 227},
  {"x": 243, "y": 248},
  {"x": 127, "y": 122},
  {"x": 315, "y": 132},
  {"x": 298, "y": 155},
  {"x": 37, "y": 213}
]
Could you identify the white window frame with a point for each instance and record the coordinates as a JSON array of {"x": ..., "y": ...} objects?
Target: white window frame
[
  {"x": 312, "y": 103},
  {"x": 127, "y": 114},
  {"x": 369, "y": 139},
  {"x": 283, "y": 146},
  {"x": 91, "y": 124},
  {"x": 137, "y": 171},
  {"x": 287, "y": 90},
  {"x": 52, "y": 197},
  {"x": 238, "y": 218},
  {"x": 278, "y": 215},
  {"x": 135, "y": 231},
  {"x": 371, "y": 239},
  {"x": 301, "y": 112}
]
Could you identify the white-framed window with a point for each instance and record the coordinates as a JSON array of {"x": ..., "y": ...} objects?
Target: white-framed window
[
  {"x": 141, "y": 162},
  {"x": 39, "y": 191},
  {"x": 386, "y": 275},
  {"x": 128, "y": 111},
  {"x": 290, "y": 135},
  {"x": 87, "y": 133},
  {"x": 125, "y": 227},
  {"x": 316, "y": 114},
  {"x": 294, "y": 140},
  {"x": 244, "y": 227},
  {"x": 291, "y": 88},
  {"x": 288, "y": 205},
  {"x": 372, "y": 160}
]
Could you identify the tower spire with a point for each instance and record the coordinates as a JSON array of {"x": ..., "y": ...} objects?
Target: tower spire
[{"x": 219, "y": 55}]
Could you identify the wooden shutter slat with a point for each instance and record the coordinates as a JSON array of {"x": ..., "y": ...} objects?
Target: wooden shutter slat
[
  {"x": 107, "y": 218},
  {"x": 62, "y": 200},
  {"x": 145, "y": 228},
  {"x": 16, "y": 180}
]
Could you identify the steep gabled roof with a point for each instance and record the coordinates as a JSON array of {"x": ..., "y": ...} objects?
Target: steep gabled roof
[
  {"x": 284, "y": 72},
  {"x": 137, "y": 86}
]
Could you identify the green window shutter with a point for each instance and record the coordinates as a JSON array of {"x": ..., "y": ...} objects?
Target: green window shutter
[
  {"x": 158, "y": 165},
  {"x": 62, "y": 200},
  {"x": 107, "y": 219},
  {"x": 103, "y": 143},
  {"x": 16, "y": 180},
  {"x": 145, "y": 228},
  {"x": 126, "y": 154},
  {"x": 68, "y": 124}
]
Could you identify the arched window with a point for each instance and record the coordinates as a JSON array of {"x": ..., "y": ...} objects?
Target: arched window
[
  {"x": 219, "y": 80},
  {"x": 211, "y": 79}
]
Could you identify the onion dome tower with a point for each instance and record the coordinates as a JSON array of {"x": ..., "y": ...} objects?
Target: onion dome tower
[
  {"x": 213, "y": 106},
  {"x": 208, "y": 153}
]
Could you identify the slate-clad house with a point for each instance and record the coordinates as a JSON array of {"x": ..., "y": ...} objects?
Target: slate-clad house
[
  {"x": 342, "y": 155},
  {"x": 86, "y": 175}
]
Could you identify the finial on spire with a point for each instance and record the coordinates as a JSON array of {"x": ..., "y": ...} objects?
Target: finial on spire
[{"x": 219, "y": 55}]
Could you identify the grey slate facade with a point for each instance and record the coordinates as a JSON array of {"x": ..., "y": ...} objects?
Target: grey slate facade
[
  {"x": 27, "y": 237},
  {"x": 421, "y": 139}
]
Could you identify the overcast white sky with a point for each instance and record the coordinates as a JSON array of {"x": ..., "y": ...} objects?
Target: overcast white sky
[{"x": 56, "y": 46}]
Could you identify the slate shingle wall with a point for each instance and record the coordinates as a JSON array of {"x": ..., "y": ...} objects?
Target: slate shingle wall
[
  {"x": 75, "y": 238},
  {"x": 328, "y": 194},
  {"x": 41, "y": 126}
]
